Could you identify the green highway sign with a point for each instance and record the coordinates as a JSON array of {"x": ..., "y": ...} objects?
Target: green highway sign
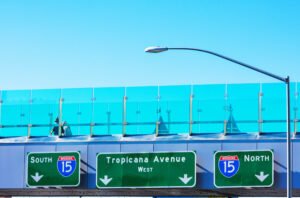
[
  {"x": 234, "y": 169},
  {"x": 53, "y": 169},
  {"x": 146, "y": 170}
]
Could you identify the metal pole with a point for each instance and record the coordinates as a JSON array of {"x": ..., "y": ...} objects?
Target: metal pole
[{"x": 288, "y": 140}]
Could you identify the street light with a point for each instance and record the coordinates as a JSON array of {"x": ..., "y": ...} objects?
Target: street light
[{"x": 285, "y": 80}]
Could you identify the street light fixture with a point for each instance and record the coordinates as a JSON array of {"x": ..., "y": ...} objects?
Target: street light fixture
[{"x": 285, "y": 80}]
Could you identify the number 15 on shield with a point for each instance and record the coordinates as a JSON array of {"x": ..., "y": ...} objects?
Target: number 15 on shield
[{"x": 229, "y": 165}]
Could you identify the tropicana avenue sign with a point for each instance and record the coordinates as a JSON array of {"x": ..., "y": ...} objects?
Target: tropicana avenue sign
[{"x": 146, "y": 170}]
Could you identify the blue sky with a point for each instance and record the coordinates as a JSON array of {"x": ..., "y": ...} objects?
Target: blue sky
[{"x": 100, "y": 43}]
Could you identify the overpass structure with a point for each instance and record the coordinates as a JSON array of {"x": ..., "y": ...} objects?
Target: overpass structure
[{"x": 200, "y": 119}]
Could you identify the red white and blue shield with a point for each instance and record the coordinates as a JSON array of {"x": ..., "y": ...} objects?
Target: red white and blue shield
[
  {"x": 229, "y": 165},
  {"x": 66, "y": 165}
]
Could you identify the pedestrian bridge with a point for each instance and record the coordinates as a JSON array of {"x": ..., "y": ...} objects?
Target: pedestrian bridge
[{"x": 199, "y": 118}]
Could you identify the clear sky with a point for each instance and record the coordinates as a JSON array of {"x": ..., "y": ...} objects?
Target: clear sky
[{"x": 100, "y": 43}]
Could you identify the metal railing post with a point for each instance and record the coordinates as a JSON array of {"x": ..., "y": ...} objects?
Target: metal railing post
[{"x": 124, "y": 123}]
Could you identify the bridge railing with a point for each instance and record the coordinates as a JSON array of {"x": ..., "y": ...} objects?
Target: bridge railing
[{"x": 156, "y": 110}]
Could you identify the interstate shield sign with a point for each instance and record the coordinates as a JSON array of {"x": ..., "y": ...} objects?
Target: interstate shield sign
[
  {"x": 229, "y": 165},
  {"x": 66, "y": 165}
]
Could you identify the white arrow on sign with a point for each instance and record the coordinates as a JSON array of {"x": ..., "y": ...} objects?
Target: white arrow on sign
[
  {"x": 105, "y": 180},
  {"x": 185, "y": 179},
  {"x": 262, "y": 176},
  {"x": 36, "y": 177}
]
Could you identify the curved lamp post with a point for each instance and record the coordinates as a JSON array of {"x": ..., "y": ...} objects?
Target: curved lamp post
[{"x": 285, "y": 80}]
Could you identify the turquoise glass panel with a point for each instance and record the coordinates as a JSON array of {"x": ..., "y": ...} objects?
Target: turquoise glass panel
[
  {"x": 141, "y": 110},
  {"x": 274, "y": 107},
  {"x": 44, "y": 110},
  {"x": 77, "y": 110},
  {"x": 173, "y": 108},
  {"x": 108, "y": 111},
  {"x": 208, "y": 109},
  {"x": 15, "y": 131},
  {"x": 15, "y": 113},
  {"x": 242, "y": 108}
]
